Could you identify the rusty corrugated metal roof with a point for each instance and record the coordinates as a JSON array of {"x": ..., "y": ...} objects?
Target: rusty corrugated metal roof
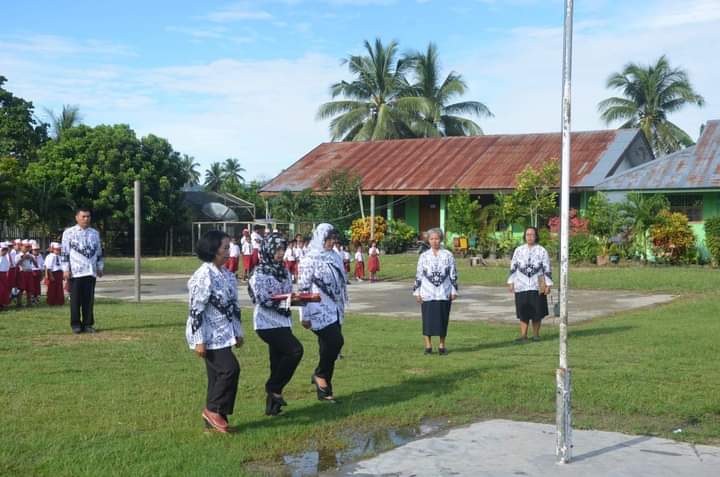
[
  {"x": 422, "y": 166},
  {"x": 696, "y": 167}
]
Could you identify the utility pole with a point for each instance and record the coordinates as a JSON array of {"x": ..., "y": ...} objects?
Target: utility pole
[{"x": 137, "y": 241}]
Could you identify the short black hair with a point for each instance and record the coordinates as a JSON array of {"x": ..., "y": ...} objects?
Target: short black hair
[
  {"x": 209, "y": 244},
  {"x": 537, "y": 234},
  {"x": 83, "y": 209}
]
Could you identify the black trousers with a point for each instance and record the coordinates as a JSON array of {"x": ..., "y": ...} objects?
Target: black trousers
[
  {"x": 330, "y": 341},
  {"x": 82, "y": 298},
  {"x": 285, "y": 355},
  {"x": 223, "y": 373}
]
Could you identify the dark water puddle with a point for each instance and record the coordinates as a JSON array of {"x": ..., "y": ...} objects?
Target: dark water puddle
[{"x": 361, "y": 445}]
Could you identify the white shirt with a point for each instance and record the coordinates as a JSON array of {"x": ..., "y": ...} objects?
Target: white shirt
[
  {"x": 214, "y": 317},
  {"x": 528, "y": 263},
  {"x": 82, "y": 252},
  {"x": 289, "y": 256},
  {"x": 26, "y": 261},
  {"x": 436, "y": 276},
  {"x": 299, "y": 252},
  {"x": 373, "y": 251},
  {"x": 358, "y": 256},
  {"x": 256, "y": 240},
  {"x": 234, "y": 250},
  {"x": 267, "y": 313},
  {"x": 39, "y": 263},
  {"x": 346, "y": 256},
  {"x": 12, "y": 254},
  {"x": 53, "y": 263},
  {"x": 246, "y": 246},
  {"x": 4, "y": 263}
]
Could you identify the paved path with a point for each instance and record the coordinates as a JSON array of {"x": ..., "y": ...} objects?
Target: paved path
[
  {"x": 394, "y": 299},
  {"x": 501, "y": 448}
]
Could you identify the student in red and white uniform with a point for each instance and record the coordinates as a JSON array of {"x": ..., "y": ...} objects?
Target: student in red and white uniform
[
  {"x": 255, "y": 239},
  {"x": 246, "y": 251},
  {"x": 359, "y": 264},
  {"x": 54, "y": 276},
  {"x": 290, "y": 261},
  {"x": 25, "y": 263},
  {"x": 4, "y": 270},
  {"x": 373, "y": 261},
  {"x": 232, "y": 262},
  {"x": 38, "y": 269},
  {"x": 14, "y": 272},
  {"x": 346, "y": 261}
]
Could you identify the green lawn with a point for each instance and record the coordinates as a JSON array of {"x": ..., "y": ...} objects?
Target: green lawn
[
  {"x": 402, "y": 267},
  {"x": 127, "y": 400}
]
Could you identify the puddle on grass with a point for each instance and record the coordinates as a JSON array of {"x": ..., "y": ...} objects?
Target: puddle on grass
[{"x": 361, "y": 445}]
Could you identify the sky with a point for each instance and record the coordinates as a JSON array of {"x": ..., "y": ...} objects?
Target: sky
[{"x": 244, "y": 79}]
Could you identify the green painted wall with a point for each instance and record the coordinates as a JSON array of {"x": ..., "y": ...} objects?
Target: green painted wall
[{"x": 412, "y": 212}]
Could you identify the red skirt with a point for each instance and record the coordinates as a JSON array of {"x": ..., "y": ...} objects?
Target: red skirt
[
  {"x": 291, "y": 266},
  {"x": 373, "y": 264},
  {"x": 13, "y": 278},
  {"x": 247, "y": 262},
  {"x": 232, "y": 264},
  {"x": 36, "y": 283},
  {"x": 359, "y": 270},
  {"x": 4, "y": 289},
  {"x": 347, "y": 265},
  {"x": 25, "y": 281},
  {"x": 255, "y": 260},
  {"x": 55, "y": 295}
]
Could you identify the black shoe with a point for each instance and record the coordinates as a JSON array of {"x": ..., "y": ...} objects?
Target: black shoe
[
  {"x": 272, "y": 405},
  {"x": 427, "y": 351},
  {"x": 535, "y": 338},
  {"x": 442, "y": 351},
  {"x": 323, "y": 393},
  {"x": 76, "y": 330},
  {"x": 89, "y": 329}
]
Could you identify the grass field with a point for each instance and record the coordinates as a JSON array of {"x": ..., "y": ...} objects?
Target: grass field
[{"x": 127, "y": 400}]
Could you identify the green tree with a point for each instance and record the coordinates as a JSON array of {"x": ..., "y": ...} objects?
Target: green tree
[
  {"x": 534, "y": 197},
  {"x": 463, "y": 213},
  {"x": 214, "y": 177},
  {"x": 232, "y": 173},
  {"x": 10, "y": 186},
  {"x": 189, "y": 167},
  {"x": 444, "y": 118},
  {"x": 604, "y": 219},
  {"x": 642, "y": 211},
  {"x": 650, "y": 94},
  {"x": 293, "y": 207},
  {"x": 338, "y": 202},
  {"x": 376, "y": 104},
  {"x": 21, "y": 134},
  {"x": 68, "y": 118}
]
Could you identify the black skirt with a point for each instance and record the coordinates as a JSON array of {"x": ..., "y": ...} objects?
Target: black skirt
[
  {"x": 531, "y": 306},
  {"x": 435, "y": 317}
]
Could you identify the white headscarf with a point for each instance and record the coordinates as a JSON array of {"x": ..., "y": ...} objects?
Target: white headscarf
[{"x": 317, "y": 246}]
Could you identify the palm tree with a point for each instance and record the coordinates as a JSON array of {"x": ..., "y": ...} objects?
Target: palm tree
[
  {"x": 641, "y": 212},
  {"x": 375, "y": 103},
  {"x": 231, "y": 173},
  {"x": 444, "y": 119},
  {"x": 650, "y": 94},
  {"x": 292, "y": 207},
  {"x": 188, "y": 165},
  {"x": 68, "y": 118},
  {"x": 214, "y": 177}
]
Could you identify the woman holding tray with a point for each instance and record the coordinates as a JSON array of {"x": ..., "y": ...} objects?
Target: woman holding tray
[
  {"x": 272, "y": 321},
  {"x": 322, "y": 272}
]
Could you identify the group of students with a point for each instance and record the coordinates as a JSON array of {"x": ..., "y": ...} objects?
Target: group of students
[
  {"x": 22, "y": 270},
  {"x": 214, "y": 327}
]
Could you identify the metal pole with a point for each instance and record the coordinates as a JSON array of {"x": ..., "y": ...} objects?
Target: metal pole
[
  {"x": 137, "y": 241},
  {"x": 372, "y": 217},
  {"x": 362, "y": 207},
  {"x": 563, "y": 378}
]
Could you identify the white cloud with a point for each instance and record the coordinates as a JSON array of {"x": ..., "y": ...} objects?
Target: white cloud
[
  {"x": 55, "y": 45},
  {"x": 236, "y": 12}
]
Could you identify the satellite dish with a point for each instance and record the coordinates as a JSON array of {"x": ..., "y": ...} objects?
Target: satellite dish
[{"x": 218, "y": 211}]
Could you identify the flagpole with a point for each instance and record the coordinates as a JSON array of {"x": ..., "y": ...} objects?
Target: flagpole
[{"x": 562, "y": 378}]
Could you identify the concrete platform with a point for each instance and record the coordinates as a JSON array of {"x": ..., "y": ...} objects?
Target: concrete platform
[{"x": 501, "y": 448}]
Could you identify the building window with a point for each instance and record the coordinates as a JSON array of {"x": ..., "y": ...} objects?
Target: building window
[
  {"x": 688, "y": 204},
  {"x": 398, "y": 208}
]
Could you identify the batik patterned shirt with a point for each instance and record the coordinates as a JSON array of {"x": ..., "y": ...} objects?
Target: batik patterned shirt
[
  {"x": 82, "y": 252},
  {"x": 528, "y": 264},
  {"x": 436, "y": 276},
  {"x": 214, "y": 317},
  {"x": 324, "y": 275},
  {"x": 269, "y": 314}
]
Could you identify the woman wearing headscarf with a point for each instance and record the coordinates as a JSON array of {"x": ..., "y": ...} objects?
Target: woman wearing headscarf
[
  {"x": 214, "y": 327},
  {"x": 530, "y": 281},
  {"x": 435, "y": 289},
  {"x": 272, "y": 322},
  {"x": 322, "y": 272}
]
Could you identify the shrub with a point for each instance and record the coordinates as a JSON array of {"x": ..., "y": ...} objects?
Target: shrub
[
  {"x": 399, "y": 237},
  {"x": 673, "y": 240},
  {"x": 712, "y": 238},
  {"x": 583, "y": 248},
  {"x": 360, "y": 230}
]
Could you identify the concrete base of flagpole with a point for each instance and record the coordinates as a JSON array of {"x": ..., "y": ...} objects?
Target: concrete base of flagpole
[{"x": 563, "y": 415}]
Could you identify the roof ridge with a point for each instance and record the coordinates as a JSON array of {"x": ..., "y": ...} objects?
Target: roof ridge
[{"x": 652, "y": 163}]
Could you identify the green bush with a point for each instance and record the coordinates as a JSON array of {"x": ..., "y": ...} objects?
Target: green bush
[
  {"x": 583, "y": 248},
  {"x": 712, "y": 238},
  {"x": 398, "y": 237}
]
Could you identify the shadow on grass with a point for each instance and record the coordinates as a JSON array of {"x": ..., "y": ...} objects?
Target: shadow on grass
[
  {"x": 359, "y": 401},
  {"x": 581, "y": 333}
]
